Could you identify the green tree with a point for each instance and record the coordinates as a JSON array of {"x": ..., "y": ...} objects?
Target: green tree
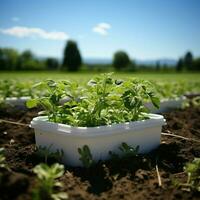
[
  {"x": 25, "y": 60},
  {"x": 72, "y": 57},
  {"x": 188, "y": 59},
  {"x": 179, "y": 65},
  {"x": 8, "y": 58},
  {"x": 2, "y": 60},
  {"x": 51, "y": 63},
  {"x": 121, "y": 60},
  {"x": 196, "y": 64},
  {"x": 158, "y": 66}
]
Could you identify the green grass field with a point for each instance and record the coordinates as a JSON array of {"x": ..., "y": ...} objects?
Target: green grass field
[{"x": 82, "y": 77}]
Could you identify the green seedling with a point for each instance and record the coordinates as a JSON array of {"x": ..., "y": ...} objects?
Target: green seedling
[
  {"x": 45, "y": 152},
  {"x": 86, "y": 156},
  {"x": 126, "y": 152},
  {"x": 193, "y": 171},
  {"x": 48, "y": 186}
]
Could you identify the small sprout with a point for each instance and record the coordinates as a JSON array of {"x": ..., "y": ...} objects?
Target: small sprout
[
  {"x": 86, "y": 156},
  {"x": 128, "y": 151},
  {"x": 193, "y": 171},
  {"x": 48, "y": 187},
  {"x": 46, "y": 153}
]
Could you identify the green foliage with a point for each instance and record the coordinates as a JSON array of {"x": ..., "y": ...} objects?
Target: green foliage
[
  {"x": 179, "y": 65},
  {"x": 196, "y": 64},
  {"x": 188, "y": 60},
  {"x": 127, "y": 151},
  {"x": 193, "y": 171},
  {"x": 8, "y": 59},
  {"x": 48, "y": 186},
  {"x": 52, "y": 64},
  {"x": 72, "y": 58},
  {"x": 102, "y": 101},
  {"x": 85, "y": 156},
  {"x": 54, "y": 92},
  {"x": 173, "y": 90},
  {"x": 121, "y": 60},
  {"x": 10, "y": 88},
  {"x": 45, "y": 152}
]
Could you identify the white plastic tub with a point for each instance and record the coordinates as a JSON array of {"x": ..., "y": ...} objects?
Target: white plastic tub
[
  {"x": 166, "y": 105},
  {"x": 18, "y": 102},
  {"x": 101, "y": 140}
]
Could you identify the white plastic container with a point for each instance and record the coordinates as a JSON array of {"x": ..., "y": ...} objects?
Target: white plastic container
[
  {"x": 166, "y": 105},
  {"x": 17, "y": 102},
  {"x": 101, "y": 140}
]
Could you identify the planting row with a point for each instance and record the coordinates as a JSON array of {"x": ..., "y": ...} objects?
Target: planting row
[{"x": 166, "y": 90}]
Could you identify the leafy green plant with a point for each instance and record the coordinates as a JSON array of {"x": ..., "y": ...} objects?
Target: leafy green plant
[
  {"x": 45, "y": 152},
  {"x": 85, "y": 156},
  {"x": 47, "y": 186},
  {"x": 193, "y": 171},
  {"x": 102, "y": 101}
]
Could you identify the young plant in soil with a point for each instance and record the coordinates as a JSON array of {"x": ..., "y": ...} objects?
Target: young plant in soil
[
  {"x": 45, "y": 153},
  {"x": 103, "y": 101},
  {"x": 193, "y": 171},
  {"x": 86, "y": 156},
  {"x": 87, "y": 160},
  {"x": 48, "y": 187},
  {"x": 126, "y": 150}
]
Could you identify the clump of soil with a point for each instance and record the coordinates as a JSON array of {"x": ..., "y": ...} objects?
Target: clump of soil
[{"x": 132, "y": 178}]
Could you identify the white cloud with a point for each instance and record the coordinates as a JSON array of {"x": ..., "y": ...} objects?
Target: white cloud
[
  {"x": 22, "y": 32},
  {"x": 15, "y": 19},
  {"x": 102, "y": 28}
]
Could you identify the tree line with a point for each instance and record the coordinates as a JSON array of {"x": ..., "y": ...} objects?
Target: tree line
[{"x": 11, "y": 59}]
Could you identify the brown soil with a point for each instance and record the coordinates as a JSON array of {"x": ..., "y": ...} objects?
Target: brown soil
[{"x": 132, "y": 178}]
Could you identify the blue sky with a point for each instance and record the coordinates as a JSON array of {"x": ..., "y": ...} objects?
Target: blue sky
[{"x": 145, "y": 29}]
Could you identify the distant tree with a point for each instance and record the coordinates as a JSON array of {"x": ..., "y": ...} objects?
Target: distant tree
[
  {"x": 26, "y": 60},
  {"x": 72, "y": 57},
  {"x": 2, "y": 60},
  {"x": 121, "y": 60},
  {"x": 196, "y": 64},
  {"x": 179, "y": 65},
  {"x": 157, "y": 66},
  {"x": 51, "y": 63},
  {"x": 188, "y": 59},
  {"x": 8, "y": 58}
]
